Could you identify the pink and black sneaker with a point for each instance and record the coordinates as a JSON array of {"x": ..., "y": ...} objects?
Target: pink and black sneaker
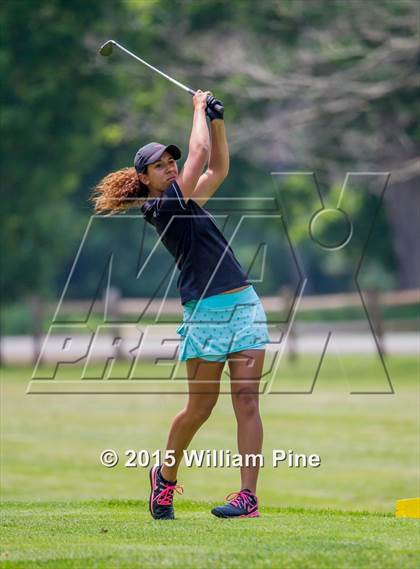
[
  {"x": 243, "y": 504},
  {"x": 162, "y": 495}
]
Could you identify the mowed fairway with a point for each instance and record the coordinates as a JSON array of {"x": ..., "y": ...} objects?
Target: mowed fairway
[
  {"x": 62, "y": 508},
  {"x": 120, "y": 534}
]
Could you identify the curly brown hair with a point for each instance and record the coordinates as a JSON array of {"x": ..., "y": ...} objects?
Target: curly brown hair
[{"x": 118, "y": 191}]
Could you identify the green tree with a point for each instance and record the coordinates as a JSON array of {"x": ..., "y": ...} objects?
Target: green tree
[{"x": 52, "y": 118}]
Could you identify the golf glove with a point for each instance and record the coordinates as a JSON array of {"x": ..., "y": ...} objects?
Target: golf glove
[{"x": 211, "y": 112}]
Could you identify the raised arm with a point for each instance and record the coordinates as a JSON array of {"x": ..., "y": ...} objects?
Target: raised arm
[
  {"x": 218, "y": 166},
  {"x": 198, "y": 147}
]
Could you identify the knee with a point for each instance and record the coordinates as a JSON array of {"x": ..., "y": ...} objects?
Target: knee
[
  {"x": 201, "y": 411},
  {"x": 246, "y": 403}
]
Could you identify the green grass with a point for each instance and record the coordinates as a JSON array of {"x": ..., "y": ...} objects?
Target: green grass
[
  {"x": 120, "y": 534},
  {"x": 58, "y": 501}
]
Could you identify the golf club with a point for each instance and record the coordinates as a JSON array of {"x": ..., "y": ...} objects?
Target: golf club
[{"x": 108, "y": 47}]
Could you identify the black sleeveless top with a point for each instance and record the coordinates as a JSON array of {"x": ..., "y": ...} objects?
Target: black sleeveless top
[{"x": 206, "y": 261}]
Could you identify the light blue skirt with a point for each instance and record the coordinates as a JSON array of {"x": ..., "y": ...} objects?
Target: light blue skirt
[{"x": 215, "y": 326}]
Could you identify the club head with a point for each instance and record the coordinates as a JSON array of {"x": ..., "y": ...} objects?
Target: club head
[{"x": 106, "y": 49}]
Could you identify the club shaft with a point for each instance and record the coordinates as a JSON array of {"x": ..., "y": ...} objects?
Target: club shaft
[{"x": 184, "y": 87}]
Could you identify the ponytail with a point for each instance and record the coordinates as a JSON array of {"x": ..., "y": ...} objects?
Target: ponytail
[{"x": 118, "y": 191}]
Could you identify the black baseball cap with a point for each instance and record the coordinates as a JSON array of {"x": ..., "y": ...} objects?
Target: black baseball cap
[{"x": 152, "y": 152}]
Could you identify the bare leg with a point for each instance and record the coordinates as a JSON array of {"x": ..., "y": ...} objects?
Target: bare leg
[
  {"x": 245, "y": 372},
  {"x": 203, "y": 392}
]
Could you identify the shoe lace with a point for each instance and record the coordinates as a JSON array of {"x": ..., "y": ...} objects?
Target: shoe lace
[
  {"x": 166, "y": 496},
  {"x": 240, "y": 499}
]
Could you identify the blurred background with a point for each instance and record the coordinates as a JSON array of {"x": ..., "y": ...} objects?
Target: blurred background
[{"x": 325, "y": 86}]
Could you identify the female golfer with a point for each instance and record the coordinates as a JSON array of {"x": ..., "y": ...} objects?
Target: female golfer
[{"x": 223, "y": 316}]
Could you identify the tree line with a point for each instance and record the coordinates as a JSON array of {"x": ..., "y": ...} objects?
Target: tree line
[{"x": 324, "y": 87}]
